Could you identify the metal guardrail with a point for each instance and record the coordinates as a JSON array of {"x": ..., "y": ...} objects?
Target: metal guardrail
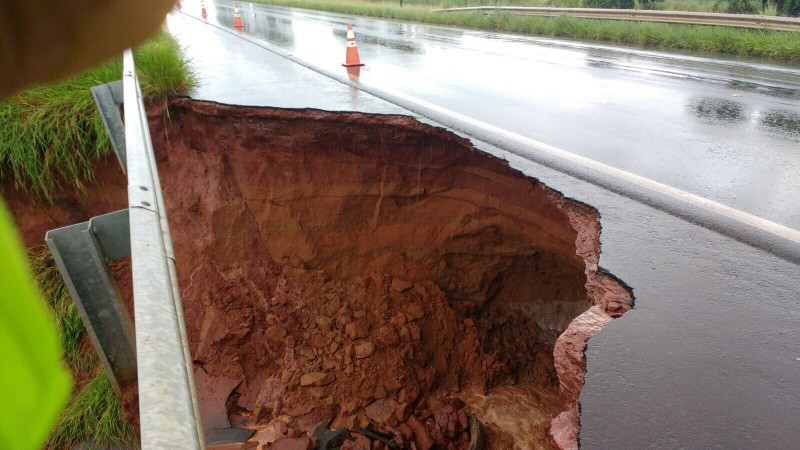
[
  {"x": 168, "y": 407},
  {"x": 156, "y": 355},
  {"x": 695, "y": 18}
]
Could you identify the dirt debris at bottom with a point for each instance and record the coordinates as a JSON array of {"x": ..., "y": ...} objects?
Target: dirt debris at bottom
[
  {"x": 372, "y": 353},
  {"x": 369, "y": 270},
  {"x": 448, "y": 426}
]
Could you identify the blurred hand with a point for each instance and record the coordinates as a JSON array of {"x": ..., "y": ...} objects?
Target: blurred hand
[{"x": 45, "y": 40}]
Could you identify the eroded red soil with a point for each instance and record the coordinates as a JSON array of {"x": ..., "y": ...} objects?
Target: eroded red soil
[{"x": 363, "y": 268}]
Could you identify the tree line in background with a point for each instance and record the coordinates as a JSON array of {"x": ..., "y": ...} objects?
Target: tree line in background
[{"x": 790, "y": 8}]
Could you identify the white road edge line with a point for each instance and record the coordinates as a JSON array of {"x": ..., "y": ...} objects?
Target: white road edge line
[
  {"x": 654, "y": 186},
  {"x": 701, "y": 202}
]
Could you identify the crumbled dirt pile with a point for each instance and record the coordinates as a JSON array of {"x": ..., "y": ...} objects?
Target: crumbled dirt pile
[
  {"x": 367, "y": 269},
  {"x": 356, "y": 346}
]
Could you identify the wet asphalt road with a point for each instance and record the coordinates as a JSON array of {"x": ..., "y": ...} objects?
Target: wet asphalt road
[
  {"x": 709, "y": 357},
  {"x": 725, "y": 130}
]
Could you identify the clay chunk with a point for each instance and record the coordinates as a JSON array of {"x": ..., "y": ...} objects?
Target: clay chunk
[
  {"x": 364, "y": 350},
  {"x": 317, "y": 379},
  {"x": 381, "y": 411},
  {"x": 422, "y": 439},
  {"x": 300, "y": 443}
]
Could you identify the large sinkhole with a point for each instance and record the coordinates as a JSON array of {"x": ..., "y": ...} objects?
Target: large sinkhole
[
  {"x": 374, "y": 269},
  {"x": 369, "y": 269}
]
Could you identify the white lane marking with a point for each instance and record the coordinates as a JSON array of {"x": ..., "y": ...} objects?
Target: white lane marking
[
  {"x": 701, "y": 202},
  {"x": 704, "y": 203}
]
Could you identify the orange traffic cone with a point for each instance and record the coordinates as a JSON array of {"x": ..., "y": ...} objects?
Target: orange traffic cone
[
  {"x": 354, "y": 72},
  {"x": 237, "y": 18},
  {"x": 203, "y": 12},
  {"x": 351, "y": 59}
]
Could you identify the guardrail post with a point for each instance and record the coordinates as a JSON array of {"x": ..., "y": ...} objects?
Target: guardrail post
[
  {"x": 82, "y": 253},
  {"x": 108, "y": 98}
]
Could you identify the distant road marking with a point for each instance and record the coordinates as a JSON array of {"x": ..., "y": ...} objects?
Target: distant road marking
[{"x": 651, "y": 185}]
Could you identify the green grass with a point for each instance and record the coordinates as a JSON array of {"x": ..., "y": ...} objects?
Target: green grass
[
  {"x": 93, "y": 412},
  {"x": 51, "y": 135},
  {"x": 685, "y": 5},
  {"x": 777, "y": 45},
  {"x": 70, "y": 325},
  {"x": 666, "y": 5}
]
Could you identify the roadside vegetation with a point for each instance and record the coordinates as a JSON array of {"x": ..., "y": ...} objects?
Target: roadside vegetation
[
  {"x": 52, "y": 134},
  {"x": 93, "y": 413},
  {"x": 766, "y": 7},
  {"x": 51, "y": 137},
  {"x": 778, "y": 45}
]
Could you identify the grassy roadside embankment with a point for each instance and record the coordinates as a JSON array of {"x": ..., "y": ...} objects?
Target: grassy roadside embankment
[
  {"x": 51, "y": 134},
  {"x": 93, "y": 412},
  {"x": 50, "y": 138},
  {"x": 777, "y": 45}
]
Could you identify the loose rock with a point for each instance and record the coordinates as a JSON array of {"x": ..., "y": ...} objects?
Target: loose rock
[
  {"x": 422, "y": 439},
  {"x": 415, "y": 311},
  {"x": 361, "y": 443},
  {"x": 270, "y": 434},
  {"x": 381, "y": 411},
  {"x": 364, "y": 350},
  {"x": 402, "y": 411},
  {"x": 400, "y": 285},
  {"x": 299, "y": 443},
  {"x": 317, "y": 379}
]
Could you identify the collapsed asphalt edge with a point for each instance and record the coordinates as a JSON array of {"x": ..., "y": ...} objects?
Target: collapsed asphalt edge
[{"x": 754, "y": 231}]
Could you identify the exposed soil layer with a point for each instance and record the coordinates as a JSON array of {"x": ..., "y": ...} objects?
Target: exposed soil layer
[{"x": 366, "y": 268}]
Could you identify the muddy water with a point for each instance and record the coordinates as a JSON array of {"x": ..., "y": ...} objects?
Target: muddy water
[{"x": 521, "y": 413}]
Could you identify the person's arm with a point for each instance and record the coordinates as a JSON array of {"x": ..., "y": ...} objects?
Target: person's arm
[{"x": 45, "y": 40}]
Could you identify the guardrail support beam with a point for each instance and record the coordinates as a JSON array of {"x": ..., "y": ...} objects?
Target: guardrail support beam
[
  {"x": 108, "y": 98},
  {"x": 82, "y": 253}
]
